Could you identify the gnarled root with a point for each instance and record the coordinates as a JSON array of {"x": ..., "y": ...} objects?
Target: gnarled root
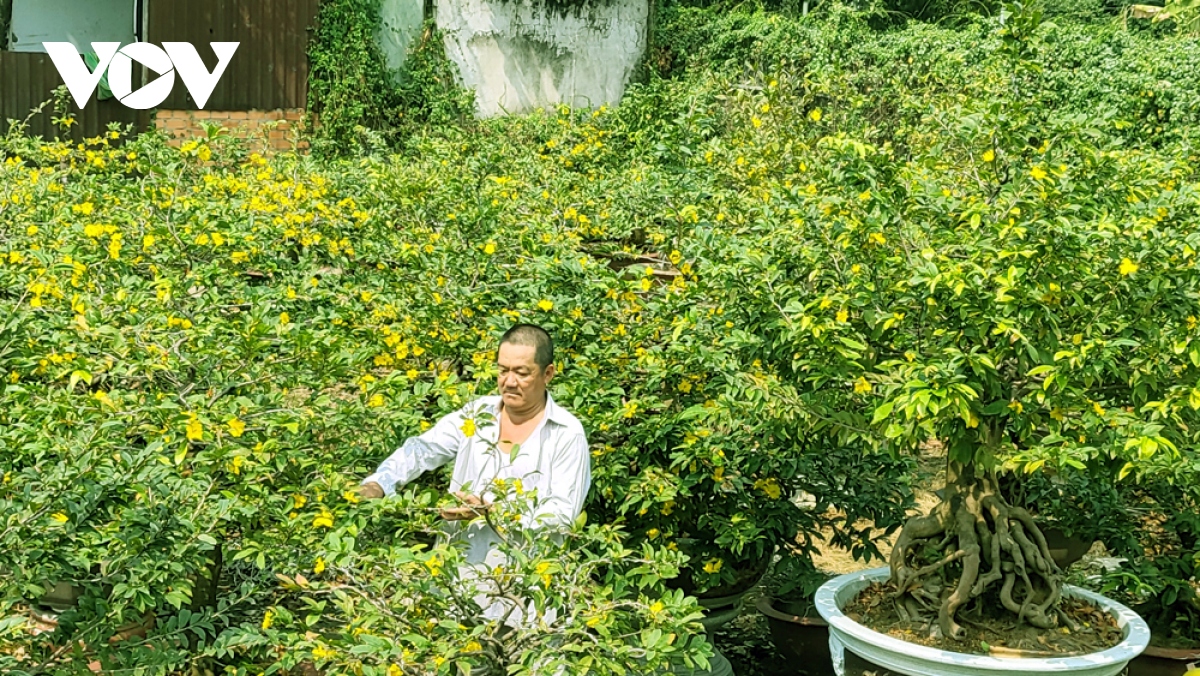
[{"x": 966, "y": 545}]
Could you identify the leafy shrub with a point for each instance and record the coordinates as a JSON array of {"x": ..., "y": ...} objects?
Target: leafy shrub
[{"x": 205, "y": 348}]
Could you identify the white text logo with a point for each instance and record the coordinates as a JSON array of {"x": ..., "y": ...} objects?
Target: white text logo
[{"x": 171, "y": 58}]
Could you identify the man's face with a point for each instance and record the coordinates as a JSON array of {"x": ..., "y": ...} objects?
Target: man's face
[{"x": 522, "y": 383}]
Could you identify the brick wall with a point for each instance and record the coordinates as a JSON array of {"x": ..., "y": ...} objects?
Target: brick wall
[{"x": 270, "y": 130}]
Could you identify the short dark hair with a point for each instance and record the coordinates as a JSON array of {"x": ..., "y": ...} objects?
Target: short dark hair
[{"x": 533, "y": 336}]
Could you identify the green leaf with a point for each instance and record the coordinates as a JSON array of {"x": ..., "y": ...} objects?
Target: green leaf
[
  {"x": 77, "y": 376},
  {"x": 175, "y": 598},
  {"x": 883, "y": 411},
  {"x": 512, "y": 455}
]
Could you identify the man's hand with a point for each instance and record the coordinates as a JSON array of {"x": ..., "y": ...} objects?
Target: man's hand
[
  {"x": 473, "y": 507},
  {"x": 370, "y": 491}
]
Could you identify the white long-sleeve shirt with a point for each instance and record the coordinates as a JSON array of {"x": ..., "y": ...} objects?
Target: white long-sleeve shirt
[{"x": 554, "y": 460}]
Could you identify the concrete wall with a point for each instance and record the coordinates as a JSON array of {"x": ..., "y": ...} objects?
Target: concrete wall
[
  {"x": 402, "y": 22},
  {"x": 519, "y": 55},
  {"x": 79, "y": 22}
]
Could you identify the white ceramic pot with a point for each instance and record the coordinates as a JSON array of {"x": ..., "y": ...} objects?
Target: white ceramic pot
[{"x": 918, "y": 660}]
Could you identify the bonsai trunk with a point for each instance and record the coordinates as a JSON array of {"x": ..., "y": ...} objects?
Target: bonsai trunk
[{"x": 967, "y": 546}]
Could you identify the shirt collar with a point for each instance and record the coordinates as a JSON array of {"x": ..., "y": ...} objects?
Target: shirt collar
[{"x": 554, "y": 413}]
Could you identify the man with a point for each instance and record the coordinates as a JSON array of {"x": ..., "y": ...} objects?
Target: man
[{"x": 551, "y": 449}]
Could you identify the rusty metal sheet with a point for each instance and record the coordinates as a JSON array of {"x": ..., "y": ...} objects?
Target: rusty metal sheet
[
  {"x": 269, "y": 69},
  {"x": 29, "y": 79}
]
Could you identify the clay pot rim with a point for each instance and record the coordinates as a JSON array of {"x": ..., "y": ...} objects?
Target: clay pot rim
[
  {"x": 1180, "y": 654},
  {"x": 764, "y": 606}
]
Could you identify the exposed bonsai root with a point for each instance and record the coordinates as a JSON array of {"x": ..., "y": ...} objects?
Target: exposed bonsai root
[{"x": 981, "y": 541}]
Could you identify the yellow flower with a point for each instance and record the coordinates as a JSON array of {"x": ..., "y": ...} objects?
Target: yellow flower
[
  {"x": 319, "y": 566},
  {"x": 268, "y": 617},
  {"x": 988, "y": 155},
  {"x": 351, "y": 497},
  {"x": 1038, "y": 173},
  {"x": 489, "y": 248},
  {"x": 472, "y": 647},
  {"x": 236, "y": 465},
  {"x": 1128, "y": 267},
  {"x": 204, "y": 153},
  {"x": 545, "y": 305},
  {"x": 236, "y": 427},
  {"x": 321, "y": 652},
  {"x": 376, "y": 401},
  {"x": 324, "y": 519},
  {"x": 434, "y": 564},
  {"x": 877, "y": 238},
  {"x": 657, "y": 607},
  {"x": 713, "y": 565},
  {"x": 284, "y": 318},
  {"x": 1097, "y": 408},
  {"x": 756, "y": 122},
  {"x": 865, "y": 195},
  {"x": 60, "y": 517},
  {"x": 468, "y": 428},
  {"x": 842, "y": 316},
  {"x": 861, "y": 386},
  {"x": 195, "y": 430},
  {"x": 239, "y": 256},
  {"x": 815, "y": 115}
]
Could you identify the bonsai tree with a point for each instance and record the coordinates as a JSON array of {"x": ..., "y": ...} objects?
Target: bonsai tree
[
  {"x": 691, "y": 456},
  {"x": 1020, "y": 287}
]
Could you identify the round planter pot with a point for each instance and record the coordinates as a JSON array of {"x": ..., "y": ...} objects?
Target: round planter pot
[
  {"x": 917, "y": 660},
  {"x": 748, "y": 575},
  {"x": 800, "y": 638},
  {"x": 61, "y": 596},
  {"x": 1065, "y": 550},
  {"x": 1164, "y": 662}
]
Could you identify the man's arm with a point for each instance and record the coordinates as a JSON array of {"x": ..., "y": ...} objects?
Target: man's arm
[
  {"x": 561, "y": 498},
  {"x": 432, "y": 449}
]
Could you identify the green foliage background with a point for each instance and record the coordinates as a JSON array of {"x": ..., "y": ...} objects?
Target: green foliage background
[
  {"x": 693, "y": 250},
  {"x": 359, "y": 103}
]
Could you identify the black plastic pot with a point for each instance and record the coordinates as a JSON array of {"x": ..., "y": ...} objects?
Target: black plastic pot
[
  {"x": 1164, "y": 662},
  {"x": 1063, "y": 549},
  {"x": 799, "y": 637}
]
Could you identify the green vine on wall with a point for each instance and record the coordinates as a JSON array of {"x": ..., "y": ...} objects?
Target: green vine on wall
[
  {"x": 354, "y": 95},
  {"x": 5, "y": 22}
]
